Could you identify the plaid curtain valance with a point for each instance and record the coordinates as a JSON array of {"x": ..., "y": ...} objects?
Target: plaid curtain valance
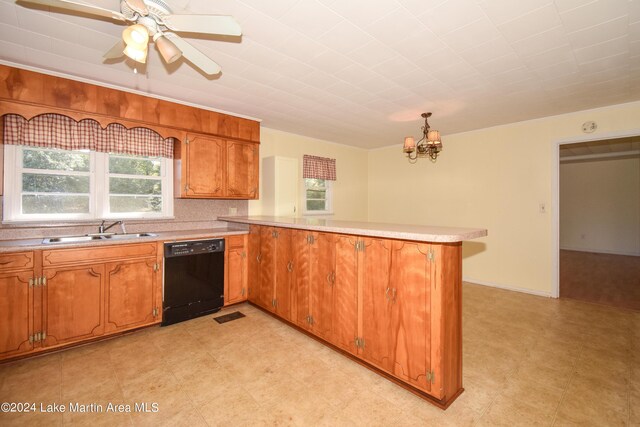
[
  {"x": 318, "y": 167},
  {"x": 62, "y": 132}
]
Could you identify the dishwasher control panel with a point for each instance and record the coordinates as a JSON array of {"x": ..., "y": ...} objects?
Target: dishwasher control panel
[{"x": 193, "y": 247}]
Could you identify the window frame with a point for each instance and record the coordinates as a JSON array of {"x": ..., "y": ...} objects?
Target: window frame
[
  {"x": 328, "y": 199},
  {"x": 98, "y": 191}
]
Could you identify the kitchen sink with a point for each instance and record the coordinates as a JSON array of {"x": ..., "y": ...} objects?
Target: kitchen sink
[
  {"x": 129, "y": 235},
  {"x": 95, "y": 237}
]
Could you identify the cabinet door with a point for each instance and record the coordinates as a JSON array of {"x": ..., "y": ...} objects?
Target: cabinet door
[
  {"x": 344, "y": 310},
  {"x": 236, "y": 273},
  {"x": 243, "y": 159},
  {"x": 323, "y": 261},
  {"x": 377, "y": 329},
  {"x": 301, "y": 271},
  {"x": 284, "y": 272},
  {"x": 72, "y": 303},
  {"x": 267, "y": 267},
  {"x": 130, "y": 294},
  {"x": 253, "y": 279},
  {"x": 205, "y": 166},
  {"x": 16, "y": 313},
  {"x": 410, "y": 314}
]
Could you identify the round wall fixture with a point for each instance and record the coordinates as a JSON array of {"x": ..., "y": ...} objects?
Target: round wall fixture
[{"x": 589, "y": 127}]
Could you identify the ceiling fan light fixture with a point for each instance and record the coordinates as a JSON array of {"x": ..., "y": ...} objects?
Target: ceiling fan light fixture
[
  {"x": 137, "y": 36},
  {"x": 169, "y": 51},
  {"x": 138, "y": 55}
]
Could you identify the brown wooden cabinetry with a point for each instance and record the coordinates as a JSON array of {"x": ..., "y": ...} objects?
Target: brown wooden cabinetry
[
  {"x": 253, "y": 281},
  {"x": 207, "y": 167},
  {"x": 58, "y": 297},
  {"x": 131, "y": 294},
  {"x": 16, "y": 303},
  {"x": 236, "y": 270},
  {"x": 73, "y": 303},
  {"x": 243, "y": 159},
  {"x": 395, "y": 305},
  {"x": 203, "y": 167}
]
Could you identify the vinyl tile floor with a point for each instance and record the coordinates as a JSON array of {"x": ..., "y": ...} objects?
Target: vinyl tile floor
[{"x": 527, "y": 361}]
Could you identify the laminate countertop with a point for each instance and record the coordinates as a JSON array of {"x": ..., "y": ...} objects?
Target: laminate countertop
[
  {"x": 160, "y": 236},
  {"x": 421, "y": 233}
]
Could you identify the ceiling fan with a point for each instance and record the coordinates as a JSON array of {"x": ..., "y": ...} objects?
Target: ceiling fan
[{"x": 154, "y": 18}]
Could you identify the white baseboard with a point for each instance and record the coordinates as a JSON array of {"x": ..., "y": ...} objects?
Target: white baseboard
[
  {"x": 599, "y": 251},
  {"x": 508, "y": 288}
]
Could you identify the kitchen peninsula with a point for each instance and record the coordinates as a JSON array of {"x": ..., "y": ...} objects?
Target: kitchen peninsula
[{"x": 386, "y": 295}]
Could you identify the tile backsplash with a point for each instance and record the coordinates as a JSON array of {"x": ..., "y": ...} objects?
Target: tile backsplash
[{"x": 189, "y": 214}]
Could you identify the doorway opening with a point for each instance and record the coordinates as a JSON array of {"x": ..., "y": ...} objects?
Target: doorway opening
[{"x": 598, "y": 223}]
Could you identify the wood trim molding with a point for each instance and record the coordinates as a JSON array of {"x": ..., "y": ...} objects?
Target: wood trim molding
[{"x": 35, "y": 93}]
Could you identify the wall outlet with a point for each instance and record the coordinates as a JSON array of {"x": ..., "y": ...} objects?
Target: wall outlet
[
  {"x": 543, "y": 207},
  {"x": 233, "y": 211}
]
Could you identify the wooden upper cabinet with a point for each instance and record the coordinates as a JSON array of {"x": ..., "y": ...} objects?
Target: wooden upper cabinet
[
  {"x": 216, "y": 168},
  {"x": 130, "y": 294},
  {"x": 204, "y": 167},
  {"x": 243, "y": 160},
  {"x": 344, "y": 309},
  {"x": 73, "y": 303},
  {"x": 16, "y": 313}
]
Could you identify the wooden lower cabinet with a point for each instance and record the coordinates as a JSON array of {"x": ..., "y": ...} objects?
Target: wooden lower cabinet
[
  {"x": 236, "y": 270},
  {"x": 16, "y": 313},
  {"x": 130, "y": 294},
  {"x": 344, "y": 298},
  {"x": 70, "y": 296},
  {"x": 284, "y": 275},
  {"x": 395, "y": 305},
  {"x": 266, "y": 259},
  {"x": 253, "y": 255},
  {"x": 73, "y": 303}
]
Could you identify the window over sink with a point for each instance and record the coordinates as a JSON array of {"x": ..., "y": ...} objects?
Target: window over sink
[{"x": 54, "y": 184}]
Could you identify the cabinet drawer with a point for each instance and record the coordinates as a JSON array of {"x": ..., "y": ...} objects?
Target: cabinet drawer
[
  {"x": 234, "y": 242},
  {"x": 16, "y": 260},
  {"x": 101, "y": 253}
]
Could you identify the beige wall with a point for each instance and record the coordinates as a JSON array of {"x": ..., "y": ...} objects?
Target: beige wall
[
  {"x": 600, "y": 205},
  {"x": 494, "y": 178},
  {"x": 350, "y": 188}
]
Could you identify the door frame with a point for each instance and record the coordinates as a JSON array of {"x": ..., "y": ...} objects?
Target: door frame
[{"x": 555, "y": 194}]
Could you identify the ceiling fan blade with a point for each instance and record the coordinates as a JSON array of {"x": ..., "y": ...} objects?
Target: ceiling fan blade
[
  {"x": 194, "y": 56},
  {"x": 138, "y": 6},
  {"x": 116, "y": 51},
  {"x": 207, "y": 24},
  {"x": 78, "y": 7}
]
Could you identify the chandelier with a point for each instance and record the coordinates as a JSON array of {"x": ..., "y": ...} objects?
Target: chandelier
[{"x": 428, "y": 146}]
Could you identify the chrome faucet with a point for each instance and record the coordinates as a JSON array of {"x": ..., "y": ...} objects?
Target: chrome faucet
[{"x": 102, "y": 228}]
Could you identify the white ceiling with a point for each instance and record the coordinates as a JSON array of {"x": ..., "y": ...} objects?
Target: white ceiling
[{"x": 360, "y": 72}]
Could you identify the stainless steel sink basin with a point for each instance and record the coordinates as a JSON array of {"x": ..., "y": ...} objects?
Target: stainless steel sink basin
[
  {"x": 129, "y": 235},
  {"x": 95, "y": 237}
]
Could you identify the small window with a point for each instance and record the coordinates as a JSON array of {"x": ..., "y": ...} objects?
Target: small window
[
  {"x": 52, "y": 184},
  {"x": 317, "y": 196}
]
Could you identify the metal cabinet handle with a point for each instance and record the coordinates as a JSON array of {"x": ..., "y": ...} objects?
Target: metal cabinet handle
[
  {"x": 290, "y": 266},
  {"x": 329, "y": 278},
  {"x": 259, "y": 258},
  {"x": 386, "y": 293}
]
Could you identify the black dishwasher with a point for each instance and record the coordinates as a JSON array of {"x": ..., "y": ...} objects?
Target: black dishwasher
[{"x": 193, "y": 279}]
